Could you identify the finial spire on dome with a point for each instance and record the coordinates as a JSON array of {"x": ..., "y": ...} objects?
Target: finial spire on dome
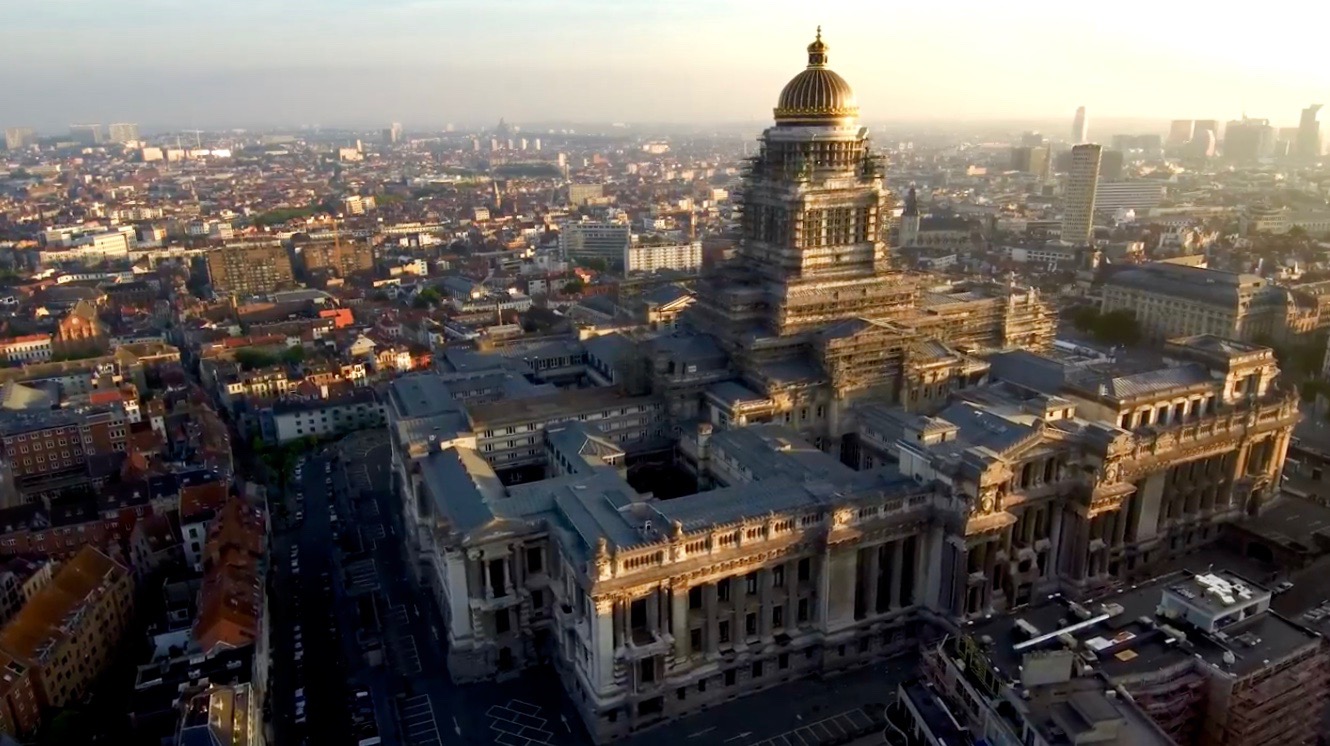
[{"x": 817, "y": 51}]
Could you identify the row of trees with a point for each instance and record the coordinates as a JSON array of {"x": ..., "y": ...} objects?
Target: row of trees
[{"x": 251, "y": 359}]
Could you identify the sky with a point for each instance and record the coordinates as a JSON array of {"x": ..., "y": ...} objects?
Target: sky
[{"x": 259, "y": 63}]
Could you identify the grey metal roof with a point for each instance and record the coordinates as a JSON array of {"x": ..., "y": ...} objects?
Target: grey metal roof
[
  {"x": 775, "y": 452},
  {"x": 1028, "y": 369},
  {"x": 985, "y": 429},
  {"x": 461, "y": 485},
  {"x": 609, "y": 348},
  {"x": 420, "y": 395},
  {"x": 1191, "y": 375}
]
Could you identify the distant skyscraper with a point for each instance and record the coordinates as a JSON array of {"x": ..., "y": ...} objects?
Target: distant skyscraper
[
  {"x": 1030, "y": 159},
  {"x": 1032, "y": 139},
  {"x": 1249, "y": 140},
  {"x": 1179, "y": 133},
  {"x": 535, "y": 144},
  {"x": 88, "y": 134},
  {"x": 1307, "y": 146},
  {"x": 1080, "y": 127},
  {"x": 1205, "y": 125},
  {"x": 1078, "y": 207},
  {"x": 124, "y": 132},
  {"x": 396, "y": 132},
  {"x": 1112, "y": 165},
  {"x": 19, "y": 137}
]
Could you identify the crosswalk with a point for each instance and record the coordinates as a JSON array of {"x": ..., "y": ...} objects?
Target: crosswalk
[
  {"x": 362, "y": 576},
  {"x": 835, "y": 729},
  {"x": 416, "y": 714},
  {"x": 518, "y": 723}
]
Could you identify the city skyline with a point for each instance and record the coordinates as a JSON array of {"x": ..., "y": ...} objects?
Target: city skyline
[{"x": 429, "y": 62}]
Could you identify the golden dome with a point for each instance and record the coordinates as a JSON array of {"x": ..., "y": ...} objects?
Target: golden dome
[{"x": 817, "y": 94}]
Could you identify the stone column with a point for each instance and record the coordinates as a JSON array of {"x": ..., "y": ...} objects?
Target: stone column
[
  {"x": 767, "y": 602},
  {"x": 897, "y": 567},
  {"x": 603, "y": 646},
  {"x": 870, "y": 580},
  {"x": 679, "y": 621},
  {"x": 710, "y": 607}
]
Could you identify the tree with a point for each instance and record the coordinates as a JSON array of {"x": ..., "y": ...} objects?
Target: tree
[
  {"x": 574, "y": 286},
  {"x": 251, "y": 359},
  {"x": 427, "y": 298},
  {"x": 378, "y": 296},
  {"x": 294, "y": 355}
]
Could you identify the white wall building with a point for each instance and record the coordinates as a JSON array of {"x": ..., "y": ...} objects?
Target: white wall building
[{"x": 687, "y": 256}]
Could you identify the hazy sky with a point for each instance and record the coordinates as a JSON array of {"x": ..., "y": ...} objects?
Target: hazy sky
[{"x": 426, "y": 62}]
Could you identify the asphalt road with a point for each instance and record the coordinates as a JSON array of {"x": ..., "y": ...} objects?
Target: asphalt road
[
  {"x": 302, "y": 599},
  {"x": 428, "y": 709}
]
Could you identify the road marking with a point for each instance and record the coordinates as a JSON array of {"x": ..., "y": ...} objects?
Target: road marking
[
  {"x": 702, "y": 732},
  {"x": 457, "y": 728},
  {"x": 745, "y": 734}
]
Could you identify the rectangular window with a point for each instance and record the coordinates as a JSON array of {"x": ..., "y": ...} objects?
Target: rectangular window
[
  {"x": 777, "y": 617},
  {"x": 750, "y": 625},
  {"x": 723, "y": 590},
  {"x": 695, "y": 639},
  {"x": 534, "y": 560},
  {"x": 750, "y": 582},
  {"x": 802, "y": 614},
  {"x": 778, "y": 576},
  {"x": 724, "y": 631},
  {"x": 501, "y": 621},
  {"x": 730, "y": 677},
  {"x": 757, "y": 670},
  {"x": 805, "y": 569},
  {"x": 695, "y": 597}
]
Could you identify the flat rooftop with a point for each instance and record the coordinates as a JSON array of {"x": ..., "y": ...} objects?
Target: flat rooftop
[
  {"x": 1129, "y": 640},
  {"x": 564, "y": 404}
]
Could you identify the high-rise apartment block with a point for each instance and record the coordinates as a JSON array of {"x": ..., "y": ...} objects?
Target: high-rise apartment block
[
  {"x": 124, "y": 132},
  {"x": 596, "y": 240},
  {"x": 1078, "y": 202},
  {"x": 581, "y": 194},
  {"x": 1031, "y": 159},
  {"x": 249, "y": 270},
  {"x": 655, "y": 256},
  {"x": 1307, "y": 146},
  {"x": 1179, "y": 133},
  {"x": 1080, "y": 127},
  {"x": 343, "y": 257},
  {"x": 1249, "y": 140},
  {"x": 393, "y": 134},
  {"x": 86, "y": 134},
  {"x": 19, "y": 137}
]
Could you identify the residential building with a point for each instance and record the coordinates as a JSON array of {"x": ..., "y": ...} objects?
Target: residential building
[
  {"x": 292, "y": 419},
  {"x": 19, "y": 137},
  {"x": 582, "y": 194},
  {"x": 249, "y": 270},
  {"x": 123, "y": 132},
  {"x": 1079, "y": 200},
  {"x": 228, "y": 715},
  {"x": 69, "y": 630},
  {"x": 343, "y": 258},
  {"x": 1032, "y": 159},
  {"x": 1138, "y": 195},
  {"x": 86, "y": 134},
  {"x": 650, "y": 257},
  {"x": 29, "y": 348},
  {"x": 231, "y": 598},
  {"x": 609, "y": 242}
]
